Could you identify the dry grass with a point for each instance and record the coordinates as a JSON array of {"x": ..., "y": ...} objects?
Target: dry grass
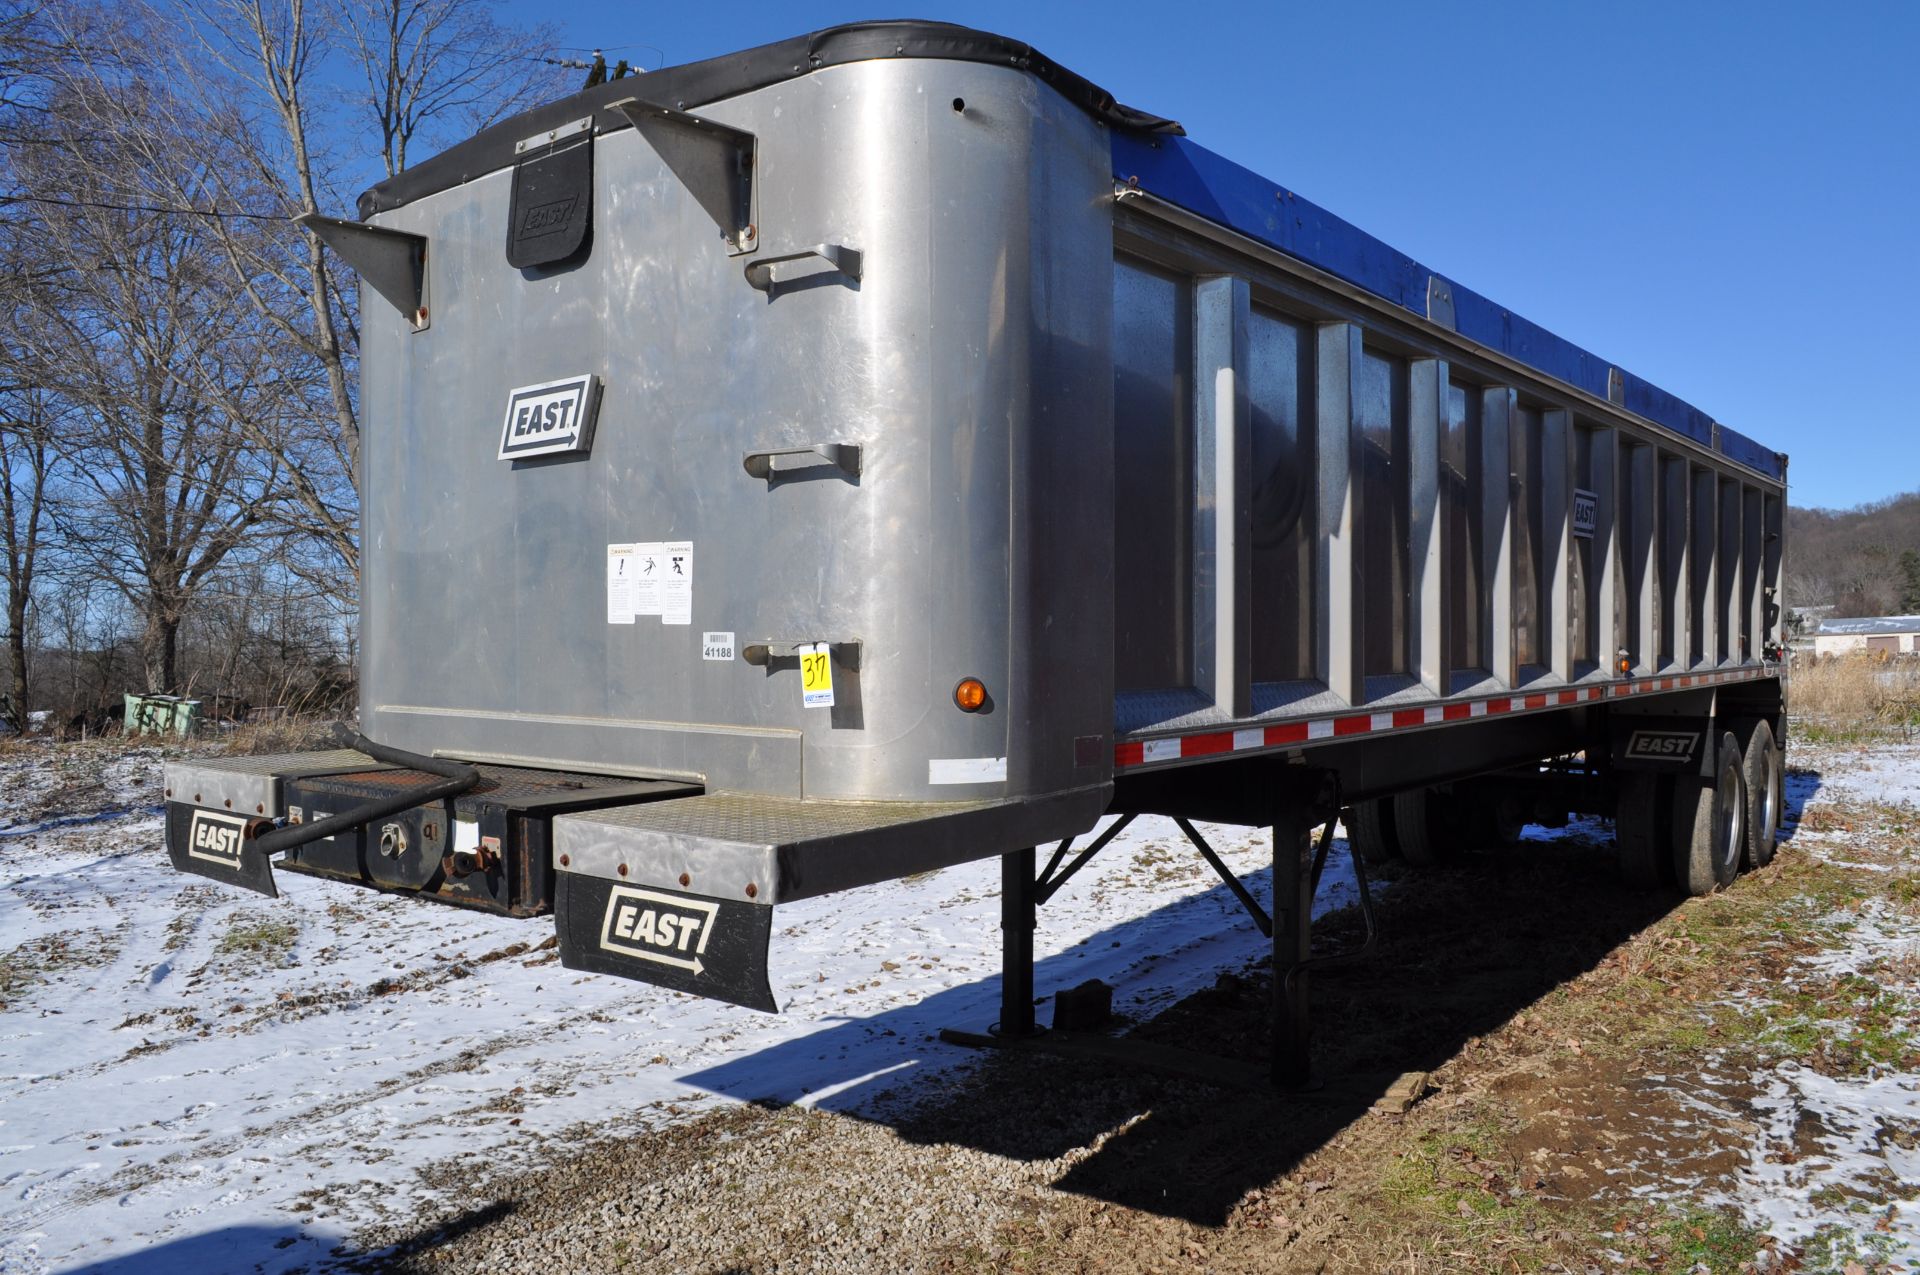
[
  {"x": 1856, "y": 698},
  {"x": 286, "y": 735}
]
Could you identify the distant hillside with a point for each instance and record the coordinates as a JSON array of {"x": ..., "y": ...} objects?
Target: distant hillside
[{"x": 1862, "y": 561}]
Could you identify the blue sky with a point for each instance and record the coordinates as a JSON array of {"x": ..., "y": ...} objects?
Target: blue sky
[{"x": 1723, "y": 198}]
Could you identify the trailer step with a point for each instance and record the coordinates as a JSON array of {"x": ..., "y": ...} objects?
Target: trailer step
[
  {"x": 484, "y": 848},
  {"x": 681, "y": 893},
  {"x": 767, "y": 850},
  {"x": 251, "y": 786}
]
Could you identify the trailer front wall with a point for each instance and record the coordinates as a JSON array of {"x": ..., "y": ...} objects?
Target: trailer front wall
[{"x": 969, "y": 362}]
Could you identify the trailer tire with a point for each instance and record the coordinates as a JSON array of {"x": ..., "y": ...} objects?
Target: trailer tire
[
  {"x": 1710, "y": 822},
  {"x": 1642, "y": 822},
  {"x": 1370, "y": 832},
  {"x": 1489, "y": 821},
  {"x": 1765, "y": 770},
  {"x": 1417, "y": 828}
]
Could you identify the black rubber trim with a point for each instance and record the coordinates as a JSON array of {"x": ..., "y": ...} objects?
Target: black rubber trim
[
  {"x": 457, "y": 777},
  {"x": 699, "y": 83}
]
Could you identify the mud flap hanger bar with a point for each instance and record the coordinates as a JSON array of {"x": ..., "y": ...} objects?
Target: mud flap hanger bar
[
  {"x": 391, "y": 262},
  {"x": 718, "y": 163},
  {"x": 714, "y": 161}
]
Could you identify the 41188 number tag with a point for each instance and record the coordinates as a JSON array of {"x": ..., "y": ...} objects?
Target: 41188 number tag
[{"x": 816, "y": 676}]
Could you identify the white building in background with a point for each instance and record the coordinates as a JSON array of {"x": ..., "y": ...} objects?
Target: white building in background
[{"x": 1880, "y": 634}]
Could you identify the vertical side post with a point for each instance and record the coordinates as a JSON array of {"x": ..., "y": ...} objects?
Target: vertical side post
[
  {"x": 1498, "y": 406},
  {"x": 1775, "y": 546},
  {"x": 1676, "y": 522},
  {"x": 1292, "y": 945},
  {"x": 1732, "y": 563},
  {"x": 1016, "y": 945},
  {"x": 1222, "y": 465},
  {"x": 1556, "y": 532},
  {"x": 1645, "y": 531},
  {"x": 1336, "y": 605},
  {"x": 1705, "y": 593},
  {"x": 1426, "y": 410},
  {"x": 1606, "y": 589},
  {"x": 1756, "y": 577}
]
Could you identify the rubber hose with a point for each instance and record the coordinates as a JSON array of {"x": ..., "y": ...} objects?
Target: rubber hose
[{"x": 456, "y": 778}]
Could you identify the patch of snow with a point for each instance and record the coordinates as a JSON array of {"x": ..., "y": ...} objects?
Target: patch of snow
[
  {"x": 1839, "y": 1156},
  {"x": 1826, "y": 1141},
  {"x": 1888, "y": 774}
]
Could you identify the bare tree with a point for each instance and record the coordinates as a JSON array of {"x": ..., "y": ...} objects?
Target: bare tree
[
  {"x": 166, "y": 485},
  {"x": 427, "y": 65},
  {"x": 434, "y": 65},
  {"x": 26, "y": 418},
  {"x": 266, "y": 52}
]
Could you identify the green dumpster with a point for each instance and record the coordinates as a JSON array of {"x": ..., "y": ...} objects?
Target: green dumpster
[{"x": 162, "y": 715}]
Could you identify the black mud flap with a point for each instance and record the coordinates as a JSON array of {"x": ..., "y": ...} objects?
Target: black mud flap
[
  {"x": 550, "y": 208},
  {"x": 214, "y": 844},
  {"x": 715, "y": 948}
]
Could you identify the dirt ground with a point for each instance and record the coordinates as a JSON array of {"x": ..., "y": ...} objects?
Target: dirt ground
[{"x": 1594, "y": 1102}]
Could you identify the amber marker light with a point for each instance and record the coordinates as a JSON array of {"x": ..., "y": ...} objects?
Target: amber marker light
[{"x": 970, "y": 695}]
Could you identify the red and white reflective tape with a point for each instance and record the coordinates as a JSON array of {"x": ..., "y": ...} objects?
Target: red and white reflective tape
[{"x": 1147, "y": 752}]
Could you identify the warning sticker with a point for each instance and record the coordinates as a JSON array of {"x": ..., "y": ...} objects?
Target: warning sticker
[
  {"x": 650, "y": 578},
  {"x": 816, "y": 676},
  {"x": 676, "y": 582},
  {"x": 648, "y": 564},
  {"x": 620, "y": 571}
]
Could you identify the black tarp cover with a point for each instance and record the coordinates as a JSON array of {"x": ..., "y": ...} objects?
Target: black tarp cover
[{"x": 697, "y": 84}]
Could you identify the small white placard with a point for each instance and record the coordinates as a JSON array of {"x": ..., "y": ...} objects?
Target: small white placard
[
  {"x": 676, "y": 582},
  {"x": 966, "y": 770},
  {"x": 621, "y": 564},
  {"x": 716, "y": 646}
]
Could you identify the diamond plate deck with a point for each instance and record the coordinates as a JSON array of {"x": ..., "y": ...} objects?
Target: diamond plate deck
[
  {"x": 775, "y": 850},
  {"x": 507, "y": 787},
  {"x": 251, "y": 785}
]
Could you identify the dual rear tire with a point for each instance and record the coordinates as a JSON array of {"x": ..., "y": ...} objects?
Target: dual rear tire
[
  {"x": 1696, "y": 833},
  {"x": 1426, "y": 828}
]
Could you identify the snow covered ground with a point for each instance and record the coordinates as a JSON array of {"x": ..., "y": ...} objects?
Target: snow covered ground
[
  {"x": 1884, "y": 773},
  {"x": 250, "y": 1081},
  {"x": 1835, "y": 1161},
  {"x": 255, "y": 1079}
]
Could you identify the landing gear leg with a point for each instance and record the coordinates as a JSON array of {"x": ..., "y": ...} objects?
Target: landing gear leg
[
  {"x": 1017, "y": 914},
  {"x": 1292, "y": 946}
]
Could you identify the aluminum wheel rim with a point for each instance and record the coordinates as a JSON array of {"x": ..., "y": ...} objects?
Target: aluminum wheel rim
[
  {"x": 1733, "y": 818},
  {"x": 1770, "y": 801}
]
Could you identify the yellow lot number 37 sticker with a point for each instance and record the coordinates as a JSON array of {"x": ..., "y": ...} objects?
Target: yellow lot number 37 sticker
[{"x": 816, "y": 676}]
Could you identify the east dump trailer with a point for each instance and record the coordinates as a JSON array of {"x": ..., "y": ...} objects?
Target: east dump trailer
[{"x": 880, "y": 450}]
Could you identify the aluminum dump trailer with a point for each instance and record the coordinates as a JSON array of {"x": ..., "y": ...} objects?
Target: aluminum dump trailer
[{"x": 880, "y": 450}]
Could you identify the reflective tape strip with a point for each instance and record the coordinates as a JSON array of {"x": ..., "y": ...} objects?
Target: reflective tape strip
[{"x": 1131, "y": 753}]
